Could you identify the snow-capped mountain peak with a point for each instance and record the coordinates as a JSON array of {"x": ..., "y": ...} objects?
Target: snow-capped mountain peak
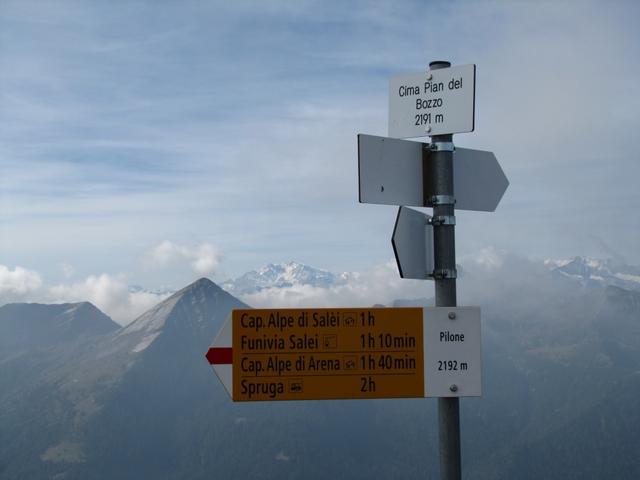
[
  {"x": 281, "y": 275},
  {"x": 596, "y": 272}
]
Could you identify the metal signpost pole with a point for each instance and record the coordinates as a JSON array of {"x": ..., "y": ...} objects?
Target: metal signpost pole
[
  {"x": 438, "y": 185},
  {"x": 442, "y": 357}
]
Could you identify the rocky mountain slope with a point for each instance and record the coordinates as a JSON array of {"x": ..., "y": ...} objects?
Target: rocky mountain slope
[
  {"x": 561, "y": 382},
  {"x": 27, "y": 326}
]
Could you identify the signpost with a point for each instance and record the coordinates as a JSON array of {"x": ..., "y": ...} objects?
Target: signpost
[
  {"x": 340, "y": 353},
  {"x": 315, "y": 354}
]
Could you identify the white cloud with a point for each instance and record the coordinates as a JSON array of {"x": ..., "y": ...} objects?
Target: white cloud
[
  {"x": 489, "y": 277},
  {"x": 101, "y": 290},
  {"x": 488, "y": 258},
  {"x": 109, "y": 293},
  {"x": 18, "y": 283},
  {"x": 203, "y": 258}
]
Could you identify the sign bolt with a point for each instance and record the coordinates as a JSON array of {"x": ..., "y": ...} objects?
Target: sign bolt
[
  {"x": 428, "y": 129},
  {"x": 452, "y": 316},
  {"x": 453, "y": 388},
  {"x": 429, "y": 76}
]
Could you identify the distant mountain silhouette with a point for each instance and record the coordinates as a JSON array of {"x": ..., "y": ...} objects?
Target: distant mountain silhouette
[
  {"x": 561, "y": 385},
  {"x": 25, "y": 326},
  {"x": 596, "y": 273}
]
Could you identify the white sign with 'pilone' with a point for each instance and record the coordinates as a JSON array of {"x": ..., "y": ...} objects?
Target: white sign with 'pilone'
[{"x": 434, "y": 102}]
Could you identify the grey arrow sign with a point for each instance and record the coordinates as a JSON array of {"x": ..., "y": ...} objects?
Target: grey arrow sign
[
  {"x": 390, "y": 173},
  {"x": 413, "y": 244}
]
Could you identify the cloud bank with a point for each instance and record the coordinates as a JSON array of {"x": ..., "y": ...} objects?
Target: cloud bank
[
  {"x": 110, "y": 293},
  {"x": 488, "y": 278},
  {"x": 19, "y": 282}
]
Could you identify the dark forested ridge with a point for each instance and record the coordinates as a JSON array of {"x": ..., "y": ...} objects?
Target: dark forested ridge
[{"x": 561, "y": 383}]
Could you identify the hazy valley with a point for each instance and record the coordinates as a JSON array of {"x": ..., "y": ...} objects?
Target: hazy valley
[{"x": 82, "y": 397}]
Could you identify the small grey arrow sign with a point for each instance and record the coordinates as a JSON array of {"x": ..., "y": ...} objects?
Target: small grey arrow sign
[
  {"x": 413, "y": 244},
  {"x": 390, "y": 173},
  {"x": 478, "y": 180}
]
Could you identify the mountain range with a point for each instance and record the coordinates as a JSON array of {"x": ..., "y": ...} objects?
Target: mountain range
[
  {"x": 82, "y": 398},
  {"x": 586, "y": 271},
  {"x": 597, "y": 273},
  {"x": 282, "y": 275}
]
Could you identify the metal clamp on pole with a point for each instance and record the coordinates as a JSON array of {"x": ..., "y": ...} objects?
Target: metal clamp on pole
[
  {"x": 442, "y": 200},
  {"x": 442, "y": 220},
  {"x": 444, "y": 273},
  {"x": 442, "y": 147}
]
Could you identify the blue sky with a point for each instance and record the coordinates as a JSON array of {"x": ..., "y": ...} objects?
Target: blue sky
[{"x": 156, "y": 142}]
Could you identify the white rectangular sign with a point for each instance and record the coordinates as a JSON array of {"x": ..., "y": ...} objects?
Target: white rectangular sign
[
  {"x": 452, "y": 352},
  {"x": 435, "y": 102}
]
